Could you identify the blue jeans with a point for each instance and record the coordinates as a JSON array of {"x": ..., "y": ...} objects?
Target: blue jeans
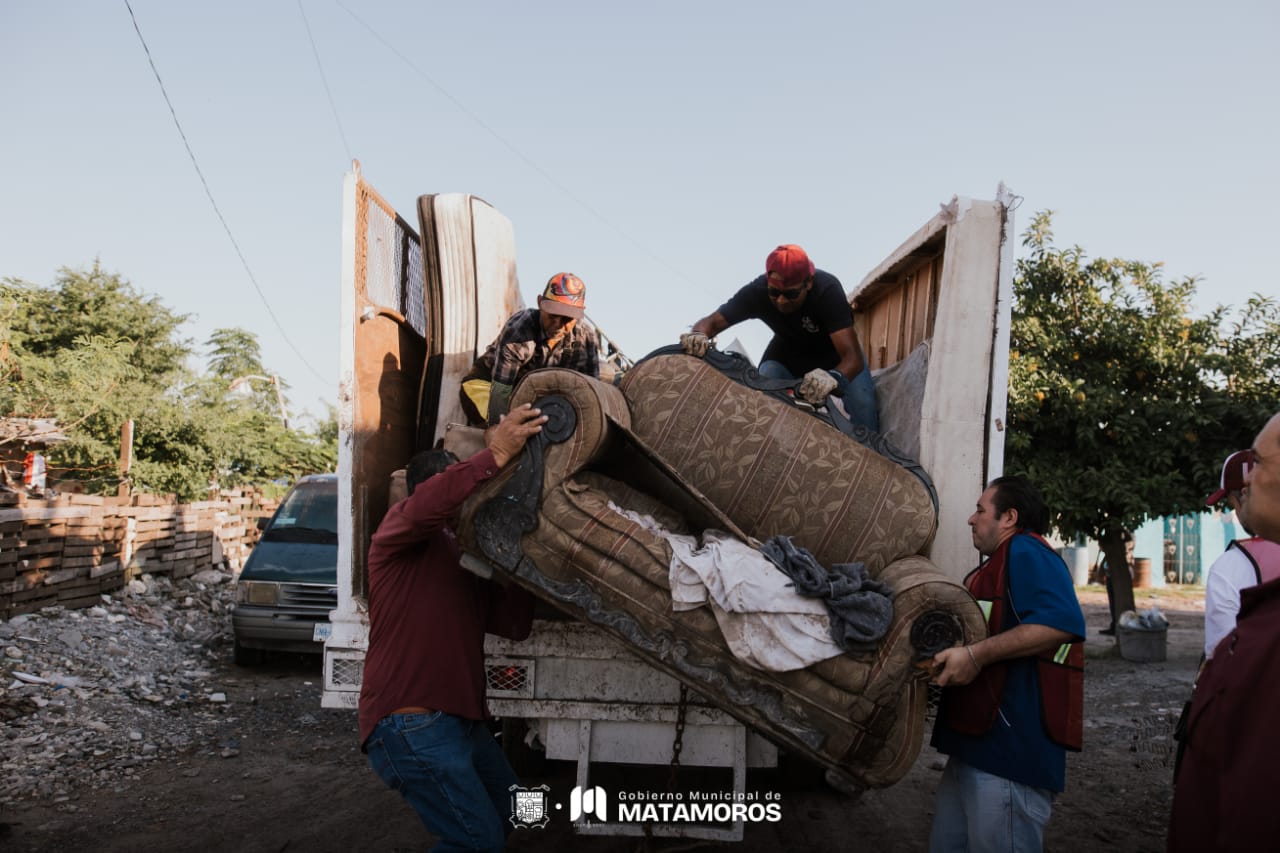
[
  {"x": 859, "y": 394},
  {"x": 452, "y": 772},
  {"x": 978, "y": 812}
]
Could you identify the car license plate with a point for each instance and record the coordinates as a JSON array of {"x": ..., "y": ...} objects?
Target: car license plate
[{"x": 321, "y": 631}]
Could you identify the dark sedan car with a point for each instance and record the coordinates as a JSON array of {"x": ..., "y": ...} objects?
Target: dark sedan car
[{"x": 289, "y": 583}]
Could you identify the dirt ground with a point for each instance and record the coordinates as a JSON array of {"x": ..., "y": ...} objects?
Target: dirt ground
[{"x": 282, "y": 774}]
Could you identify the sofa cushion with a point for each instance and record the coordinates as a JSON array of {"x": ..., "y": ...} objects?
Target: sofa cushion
[{"x": 775, "y": 469}]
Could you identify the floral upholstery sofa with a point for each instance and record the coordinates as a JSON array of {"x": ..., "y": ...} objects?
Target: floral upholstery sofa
[{"x": 702, "y": 444}]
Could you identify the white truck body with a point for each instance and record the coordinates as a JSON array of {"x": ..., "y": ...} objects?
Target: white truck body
[{"x": 933, "y": 318}]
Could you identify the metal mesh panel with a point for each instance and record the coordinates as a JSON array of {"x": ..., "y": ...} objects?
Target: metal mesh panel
[
  {"x": 394, "y": 272},
  {"x": 512, "y": 678},
  {"x": 346, "y": 672}
]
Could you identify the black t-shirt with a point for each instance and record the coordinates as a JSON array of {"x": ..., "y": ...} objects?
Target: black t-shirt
[{"x": 801, "y": 341}]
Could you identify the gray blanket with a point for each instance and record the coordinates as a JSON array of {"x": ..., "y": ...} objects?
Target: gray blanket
[{"x": 861, "y": 608}]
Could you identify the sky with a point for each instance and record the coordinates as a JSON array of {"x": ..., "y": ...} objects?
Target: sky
[{"x": 657, "y": 150}]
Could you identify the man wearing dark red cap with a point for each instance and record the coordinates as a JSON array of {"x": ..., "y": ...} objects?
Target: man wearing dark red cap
[
  {"x": 813, "y": 335},
  {"x": 551, "y": 335},
  {"x": 1245, "y": 563}
]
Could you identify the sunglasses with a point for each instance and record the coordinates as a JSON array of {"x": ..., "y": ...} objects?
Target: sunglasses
[{"x": 789, "y": 293}]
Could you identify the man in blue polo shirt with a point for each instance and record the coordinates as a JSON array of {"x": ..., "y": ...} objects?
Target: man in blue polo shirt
[
  {"x": 813, "y": 334},
  {"x": 1013, "y": 703}
]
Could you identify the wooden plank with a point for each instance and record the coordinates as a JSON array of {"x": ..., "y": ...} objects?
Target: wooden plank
[
  {"x": 24, "y": 580},
  {"x": 105, "y": 569},
  {"x": 57, "y": 576},
  {"x": 32, "y": 514}
]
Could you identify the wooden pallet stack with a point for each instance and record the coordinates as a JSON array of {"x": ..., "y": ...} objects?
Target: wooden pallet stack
[
  {"x": 89, "y": 566},
  {"x": 70, "y": 550},
  {"x": 237, "y": 529},
  {"x": 53, "y": 552}
]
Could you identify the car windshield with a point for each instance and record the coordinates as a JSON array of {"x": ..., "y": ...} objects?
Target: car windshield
[{"x": 309, "y": 513}]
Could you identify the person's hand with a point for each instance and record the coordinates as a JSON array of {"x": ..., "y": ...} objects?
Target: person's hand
[
  {"x": 817, "y": 386},
  {"x": 506, "y": 439},
  {"x": 955, "y": 666},
  {"x": 695, "y": 344}
]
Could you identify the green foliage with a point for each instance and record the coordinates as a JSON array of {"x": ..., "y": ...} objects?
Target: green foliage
[
  {"x": 234, "y": 353},
  {"x": 101, "y": 305},
  {"x": 1122, "y": 405},
  {"x": 93, "y": 353}
]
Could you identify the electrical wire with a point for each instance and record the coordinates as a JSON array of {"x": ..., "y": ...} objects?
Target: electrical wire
[
  {"x": 517, "y": 152},
  {"x": 323, "y": 79},
  {"x": 209, "y": 193}
]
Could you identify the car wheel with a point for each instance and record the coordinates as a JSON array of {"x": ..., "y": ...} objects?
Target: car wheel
[{"x": 244, "y": 656}]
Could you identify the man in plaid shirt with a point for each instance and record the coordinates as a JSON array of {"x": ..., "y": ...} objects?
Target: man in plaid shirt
[{"x": 551, "y": 335}]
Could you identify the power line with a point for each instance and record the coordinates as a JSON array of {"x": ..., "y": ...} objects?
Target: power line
[
  {"x": 517, "y": 152},
  {"x": 325, "y": 81},
  {"x": 209, "y": 194}
]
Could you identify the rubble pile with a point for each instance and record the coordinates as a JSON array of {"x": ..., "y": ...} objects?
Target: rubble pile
[{"x": 89, "y": 696}]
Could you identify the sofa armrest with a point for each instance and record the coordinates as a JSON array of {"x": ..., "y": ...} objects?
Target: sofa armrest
[
  {"x": 583, "y": 413},
  {"x": 931, "y": 612}
]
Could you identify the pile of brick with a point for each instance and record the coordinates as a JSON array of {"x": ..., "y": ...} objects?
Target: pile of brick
[{"x": 70, "y": 550}]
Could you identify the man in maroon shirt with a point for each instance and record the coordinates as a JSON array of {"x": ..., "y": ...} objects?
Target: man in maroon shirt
[{"x": 422, "y": 701}]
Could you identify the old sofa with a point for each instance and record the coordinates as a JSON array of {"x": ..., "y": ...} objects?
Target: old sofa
[{"x": 706, "y": 443}]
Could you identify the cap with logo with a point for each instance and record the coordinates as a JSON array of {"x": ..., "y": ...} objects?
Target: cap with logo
[
  {"x": 1233, "y": 471},
  {"x": 565, "y": 295},
  {"x": 790, "y": 265}
]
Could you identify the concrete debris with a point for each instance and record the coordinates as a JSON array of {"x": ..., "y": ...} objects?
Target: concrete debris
[{"x": 98, "y": 693}]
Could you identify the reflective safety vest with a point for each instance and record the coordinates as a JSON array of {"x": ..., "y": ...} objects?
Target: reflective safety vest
[
  {"x": 973, "y": 708},
  {"x": 1264, "y": 554}
]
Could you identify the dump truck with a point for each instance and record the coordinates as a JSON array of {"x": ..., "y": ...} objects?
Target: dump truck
[{"x": 420, "y": 301}]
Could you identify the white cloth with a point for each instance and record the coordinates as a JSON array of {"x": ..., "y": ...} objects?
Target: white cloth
[
  {"x": 1229, "y": 574},
  {"x": 765, "y": 622}
]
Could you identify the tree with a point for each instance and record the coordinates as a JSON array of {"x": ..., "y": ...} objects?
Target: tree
[
  {"x": 100, "y": 305},
  {"x": 234, "y": 353},
  {"x": 87, "y": 352},
  {"x": 1122, "y": 405},
  {"x": 91, "y": 352},
  {"x": 254, "y": 445}
]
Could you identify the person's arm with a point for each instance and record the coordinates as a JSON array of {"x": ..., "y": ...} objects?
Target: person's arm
[
  {"x": 743, "y": 305},
  {"x": 846, "y": 344},
  {"x": 711, "y": 325},
  {"x": 1043, "y": 609},
  {"x": 697, "y": 341},
  {"x": 1228, "y": 574},
  {"x": 961, "y": 664},
  {"x": 435, "y": 502}
]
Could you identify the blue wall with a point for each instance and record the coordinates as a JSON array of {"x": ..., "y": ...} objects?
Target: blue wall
[{"x": 1197, "y": 540}]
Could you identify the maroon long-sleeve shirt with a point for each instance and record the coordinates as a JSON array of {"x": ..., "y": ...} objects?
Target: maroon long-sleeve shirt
[{"x": 427, "y": 615}]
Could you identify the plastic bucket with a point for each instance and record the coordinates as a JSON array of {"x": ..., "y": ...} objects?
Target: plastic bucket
[
  {"x": 1077, "y": 560},
  {"x": 1142, "y": 574},
  {"x": 1142, "y": 646}
]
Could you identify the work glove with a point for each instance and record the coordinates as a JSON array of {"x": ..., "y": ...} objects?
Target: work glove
[
  {"x": 817, "y": 386},
  {"x": 695, "y": 344}
]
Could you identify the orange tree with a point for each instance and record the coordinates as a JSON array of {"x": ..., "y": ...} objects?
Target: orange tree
[{"x": 1122, "y": 405}]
